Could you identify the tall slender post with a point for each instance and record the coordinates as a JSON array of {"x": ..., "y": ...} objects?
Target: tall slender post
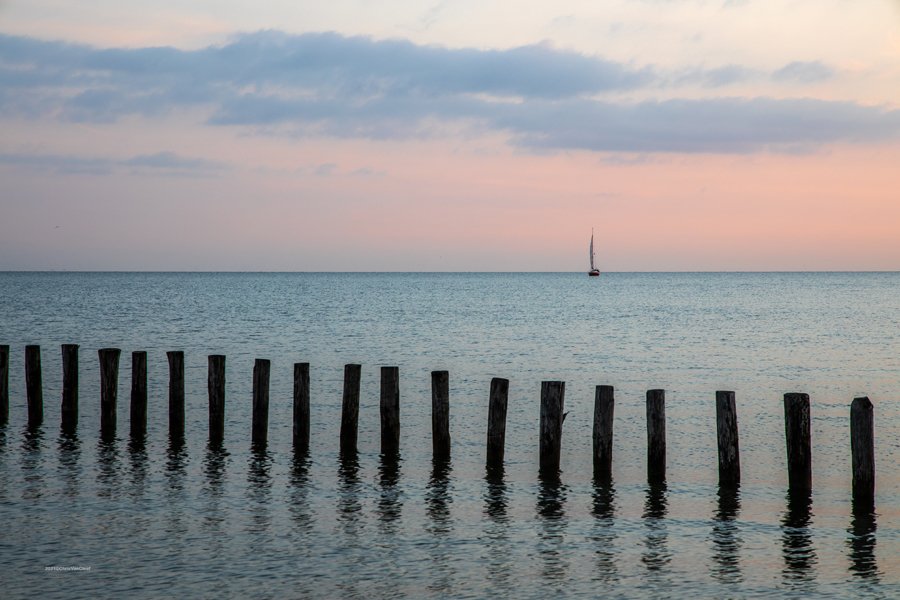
[
  {"x": 496, "y": 434},
  {"x": 4, "y": 384},
  {"x": 350, "y": 408},
  {"x": 215, "y": 384},
  {"x": 862, "y": 445},
  {"x": 109, "y": 389},
  {"x": 440, "y": 414},
  {"x": 301, "y": 407},
  {"x": 552, "y": 404},
  {"x": 656, "y": 436},
  {"x": 176, "y": 393},
  {"x": 797, "y": 437},
  {"x": 138, "y": 395},
  {"x": 390, "y": 410},
  {"x": 727, "y": 435},
  {"x": 604, "y": 405},
  {"x": 33, "y": 386},
  {"x": 260, "y": 401},
  {"x": 70, "y": 387}
]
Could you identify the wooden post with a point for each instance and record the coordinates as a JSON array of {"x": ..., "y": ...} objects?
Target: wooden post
[
  {"x": 33, "y": 386},
  {"x": 301, "y": 407},
  {"x": 176, "y": 393},
  {"x": 604, "y": 405},
  {"x": 390, "y": 410},
  {"x": 350, "y": 408},
  {"x": 727, "y": 435},
  {"x": 4, "y": 384},
  {"x": 796, "y": 429},
  {"x": 109, "y": 388},
  {"x": 70, "y": 387},
  {"x": 862, "y": 444},
  {"x": 552, "y": 403},
  {"x": 496, "y": 434},
  {"x": 215, "y": 384},
  {"x": 138, "y": 395},
  {"x": 656, "y": 436},
  {"x": 260, "y": 401},
  {"x": 440, "y": 414}
]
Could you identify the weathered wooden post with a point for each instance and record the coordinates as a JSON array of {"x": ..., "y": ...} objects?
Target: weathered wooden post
[
  {"x": 138, "y": 395},
  {"x": 862, "y": 444},
  {"x": 301, "y": 407},
  {"x": 350, "y": 408},
  {"x": 797, "y": 437},
  {"x": 440, "y": 414},
  {"x": 552, "y": 404},
  {"x": 69, "y": 416},
  {"x": 390, "y": 410},
  {"x": 727, "y": 435},
  {"x": 496, "y": 434},
  {"x": 176, "y": 393},
  {"x": 109, "y": 389},
  {"x": 604, "y": 405},
  {"x": 215, "y": 384},
  {"x": 33, "y": 386},
  {"x": 260, "y": 401},
  {"x": 4, "y": 384},
  {"x": 656, "y": 436}
]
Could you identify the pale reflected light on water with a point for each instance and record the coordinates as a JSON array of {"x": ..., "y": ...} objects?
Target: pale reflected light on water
[{"x": 162, "y": 516}]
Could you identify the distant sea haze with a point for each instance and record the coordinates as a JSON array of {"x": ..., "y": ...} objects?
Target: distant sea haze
[{"x": 166, "y": 518}]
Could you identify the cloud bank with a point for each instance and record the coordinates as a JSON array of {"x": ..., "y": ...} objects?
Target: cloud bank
[
  {"x": 326, "y": 84},
  {"x": 168, "y": 163}
]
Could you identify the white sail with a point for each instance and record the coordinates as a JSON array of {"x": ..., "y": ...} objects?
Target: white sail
[{"x": 592, "y": 251}]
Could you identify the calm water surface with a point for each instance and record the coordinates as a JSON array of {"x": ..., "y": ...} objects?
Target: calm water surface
[{"x": 168, "y": 518}]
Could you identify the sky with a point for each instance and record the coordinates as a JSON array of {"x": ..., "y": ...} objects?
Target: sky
[{"x": 459, "y": 135}]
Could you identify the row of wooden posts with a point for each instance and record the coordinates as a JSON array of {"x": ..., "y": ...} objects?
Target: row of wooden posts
[{"x": 796, "y": 414}]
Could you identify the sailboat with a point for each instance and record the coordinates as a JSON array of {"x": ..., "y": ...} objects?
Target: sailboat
[{"x": 594, "y": 272}]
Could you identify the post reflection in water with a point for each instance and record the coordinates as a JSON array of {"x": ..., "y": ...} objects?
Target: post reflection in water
[
  {"x": 108, "y": 477},
  {"x": 69, "y": 462},
  {"x": 603, "y": 507},
  {"x": 3, "y": 482},
  {"x": 137, "y": 468},
  {"x": 437, "y": 500},
  {"x": 796, "y": 538},
  {"x": 437, "y": 496},
  {"x": 214, "y": 462},
  {"x": 32, "y": 444},
  {"x": 350, "y": 523},
  {"x": 656, "y": 556},
  {"x": 349, "y": 506},
  {"x": 176, "y": 458},
  {"x": 389, "y": 508},
  {"x": 726, "y": 539},
  {"x": 299, "y": 491},
  {"x": 390, "y": 503},
  {"x": 861, "y": 542},
  {"x": 497, "y": 545},
  {"x": 495, "y": 497},
  {"x": 552, "y": 516},
  {"x": 259, "y": 487}
]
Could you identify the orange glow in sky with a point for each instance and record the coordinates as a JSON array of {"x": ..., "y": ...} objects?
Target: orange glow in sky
[{"x": 169, "y": 138}]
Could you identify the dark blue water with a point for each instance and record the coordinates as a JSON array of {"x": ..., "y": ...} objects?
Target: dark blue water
[{"x": 161, "y": 519}]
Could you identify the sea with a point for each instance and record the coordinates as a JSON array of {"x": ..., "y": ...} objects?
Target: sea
[{"x": 86, "y": 517}]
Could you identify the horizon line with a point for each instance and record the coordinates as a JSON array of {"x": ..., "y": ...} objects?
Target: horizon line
[{"x": 402, "y": 272}]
